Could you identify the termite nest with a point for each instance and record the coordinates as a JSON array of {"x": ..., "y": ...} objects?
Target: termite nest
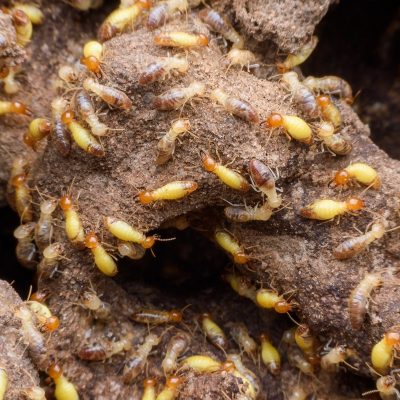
[{"x": 198, "y": 219}]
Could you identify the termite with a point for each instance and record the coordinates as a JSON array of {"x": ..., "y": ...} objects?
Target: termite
[
  {"x": 324, "y": 210},
  {"x": 329, "y": 110},
  {"x": 246, "y": 374},
  {"x": 181, "y": 39},
  {"x": 175, "y": 98},
  {"x": 231, "y": 246},
  {"x": 38, "y": 129},
  {"x": 241, "y": 336},
  {"x": 358, "y": 300},
  {"x": 301, "y": 94},
  {"x": 73, "y": 224},
  {"x": 25, "y": 250},
  {"x": 247, "y": 214},
  {"x": 176, "y": 347},
  {"x": 331, "y": 85},
  {"x": 23, "y": 27},
  {"x": 297, "y": 393},
  {"x": 335, "y": 142},
  {"x": 121, "y": 18},
  {"x": 361, "y": 173},
  {"x": 163, "y": 10},
  {"x": 48, "y": 322},
  {"x": 11, "y": 86},
  {"x": 33, "y": 393},
  {"x": 82, "y": 5},
  {"x": 61, "y": 135},
  {"x": 124, "y": 231},
  {"x": 22, "y": 197},
  {"x": 131, "y": 250},
  {"x": 235, "y": 106},
  {"x": 270, "y": 299},
  {"x": 20, "y": 166},
  {"x": 44, "y": 226},
  {"x": 157, "y": 317},
  {"x": 222, "y": 26},
  {"x": 201, "y": 364},
  {"x": 69, "y": 74},
  {"x": 270, "y": 355},
  {"x": 175, "y": 190},
  {"x": 386, "y": 387},
  {"x": 241, "y": 286},
  {"x": 52, "y": 254},
  {"x": 227, "y": 175},
  {"x": 104, "y": 262},
  {"x": 33, "y": 12},
  {"x": 149, "y": 389},
  {"x": 294, "y": 126},
  {"x": 3, "y": 383},
  {"x": 239, "y": 57},
  {"x": 101, "y": 352},
  {"x": 213, "y": 332},
  {"x": 135, "y": 364},
  {"x": 64, "y": 388},
  {"x": 265, "y": 181},
  {"x": 354, "y": 246},
  {"x": 113, "y": 97},
  {"x": 292, "y": 60},
  {"x": 297, "y": 359},
  {"x": 39, "y": 296},
  {"x": 166, "y": 145},
  {"x": 171, "y": 388},
  {"x": 13, "y": 107},
  {"x": 330, "y": 361},
  {"x": 305, "y": 340},
  {"x": 92, "y": 53},
  {"x": 160, "y": 69},
  {"x": 383, "y": 352},
  {"x": 86, "y": 110},
  {"x": 100, "y": 309}
]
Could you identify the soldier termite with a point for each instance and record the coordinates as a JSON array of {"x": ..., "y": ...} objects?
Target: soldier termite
[
  {"x": 247, "y": 214},
  {"x": 227, "y": 175},
  {"x": 241, "y": 336},
  {"x": 324, "y": 210},
  {"x": 73, "y": 224},
  {"x": 113, "y": 97},
  {"x": 329, "y": 110},
  {"x": 136, "y": 361},
  {"x": 236, "y": 106},
  {"x": 163, "y": 10},
  {"x": 221, "y": 25},
  {"x": 213, "y": 332},
  {"x": 44, "y": 226},
  {"x": 292, "y": 60},
  {"x": 175, "y": 190},
  {"x": 103, "y": 351},
  {"x": 157, "y": 317},
  {"x": 162, "y": 68},
  {"x": 232, "y": 246},
  {"x": 265, "y": 181},
  {"x": 100, "y": 309},
  {"x": 13, "y": 107},
  {"x": 330, "y": 85},
  {"x": 358, "y": 300},
  {"x": 166, "y": 145},
  {"x": 335, "y": 142},
  {"x": 64, "y": 388},
  {"x": 38, "y": 129},
  {"x": 301, "y": 94},
  {"x": 243, "y": 58},
  {"x": 23, "y": 27},
  {"x": 270, "y": 355},
  {"x": 25, "y": 250},
  {"x": 176, "y": 98},
  {"x": 120, "y": 19},
  {"x": 359, "y": 172},
  {"x": 181, "y": 39},
  {"x": 177, "y": 346},
  {"x": 61, "y": 135}
]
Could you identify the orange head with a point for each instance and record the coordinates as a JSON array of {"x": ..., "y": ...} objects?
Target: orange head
[
  {"x": 303, "y": 331},
  {"x": 264, "y": 337},
  {"x": 66, "y": 203},
  {"x": 282, "y": 307},
  {"x": 282, "y": 68},
  {"x": 18, "y": 180},
  {"x": 54, "y": 371},
  {"x": 341, "y": 178},
  {"x": 19, "y": 108},
  {"x": 40, "y": 297},
  {"x": 145, "y": 197},
  {"x": 67, "y": 117},
  {"x": 148, "y": 242},
  {"x": 354, "y": 204},
  {"x": 91, "y": 240},
  {"x": 202, "y": 40},
  {"x": 175, "y": 316},
  {"x": 240, "y": 258},
  {"x": 91, "y": 63},
  {"x": 4, "y": 71},
  {"x": 392, "y": 338},
  {"x": 173, "y": 382},
  {"x": 149, "y": 382},
  {"x": 28, "y": 140},
  {"x": 20, "y": 18},
  {"x": 274, "y": 120},
  {"x": 209, "y": 164},
  {"x": 52, "y": 323},
  {"x": 228, "y": 366},
  {"x": 323, "y": 101},
  {"x": 145, "y": 4}
]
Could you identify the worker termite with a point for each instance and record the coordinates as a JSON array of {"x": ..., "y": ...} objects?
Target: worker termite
[
  {"x": 354, "y": 246},
  {"x": 166, "y": 145},
  {"x": 329, "y": 110},
  {"x": 171, "y": 388},
  {"x": 64, "y": 388},
  {"x": 81, "y": 136},
  {"x": 92, "y": 53},
  {"x": 201, "y": 364},
  {"x": 175, "y": 190},
  {"x": 25, "y": 250},
  {"x": 324, "y": 210},
  {"x": 294, "y": 126},
  {"x": 13, "y": 107},
  {"x": 386, "y": 387},
  {"x": 3, "y": 383},
  {"x": 243, "y": 58},
  {"x": 232, "y": 246},
  {"x": 149, "y": 389},
  {"x": 73, "y": 224},
  {"x": 120, "y": 19},
  {"x": 162, "y": 68},
  {"x": 221, "y": 25},
  {"x": 86, "y": 110},
  {"x": 176, "y": 347},
  {"x": 103, "y": 351},
  {"x": 69, "y": 74},
  {"x": 34, "y": 393},
  {"x": 135, "y": 363},
  {"x": 124, "y": 231},
  {"x": 241, "y": 286},
  {"x": 11, "y": 86},
  {"x": 44, "y": 226},
  {"x": 330, "y": 361},
  {"x": 358, "y": 300},
  {"x": 47, "y": 321},
  {"x": 100, "y": 309},
  {"x": 297, "y": 359},
  {"x": 61, "y": 135},
  {"x": 246, "y": 373},
  {"x": 305, "y": 340},
  {"x": 269, "y": 299},
  {"x": 241, "y": 336},
  {"x": 213, "y": 332},
  {"x": 335, "y": 142},
  {"x": 23, "y": 27},
  {"x": 131, "y": 250},
  {"x": 113, "y": 97},
  {"x": 33, "y": 12},
  {"x": 52, "y": 254},
  {"x": 22, "y": 197},
  {"x": 227, "y": 175},
  {"x": 176, "y": 98},
  {"x": 236, "y": 106},
  {"x": 265, "y": 181},
  {"x": 301, "y": 94},
  {"x": 104, "y": 262},
  {"x": 157, "y": 317},
  {"x": 159, "y": 14},
  {"x": 360, "y": 172},
  {"x": 181, "y": 39},
  {"x": 247, "y": 214},
  {"x": 331, "y": 85},
  {"x": 270, "y": 355},
  {"x": 38, "y": 129},
  {"x": 292, "y": 60}
]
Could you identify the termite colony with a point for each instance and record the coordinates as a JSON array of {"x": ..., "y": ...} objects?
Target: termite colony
[{"x": 75, "y": 125}]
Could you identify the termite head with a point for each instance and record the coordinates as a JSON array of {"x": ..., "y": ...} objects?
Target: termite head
[
  {"x": 48, "y": 206},
  {"x": 19, "y": 108},
  {"x": 148, "y": 242},
  {"x": 282, "y": 307},
  {"x": 175, "y": 316},
  {"x": 323, "y": 101},
  {"x": 173, "y": 382},
  {"x": 20, "y": 18},
  {"x": 282, "y": 68},
  {"x": 209, "y": 163},
  {"x": 240, "y": 258},
  {"x": 91, "y": 63},
  {"x": 181, "y": 125},
  {"x": 52, "y": 323},
  {"x": 53, "y": 251},
  {"x": 4, "y": 71},
  {"x": 67, "y": 117},
  {"x": 392, "y": 336},
  {"x": 149, "y": 382},
  {"x": 385, "y": 383},
  {"x": 66, "y": 203},
  {"x": 341, "y": 178},
  {"x": 54, "y": 371},
  {"x": 228, "y": 366},
  {"x": 354, "y": 204},
  {"x": 145, "y": 197},
  {"x": 91, "y": 240},
  {"x": 18, "y": 180},
  {"x": 38, "y": 296},
  {"x": 275, "y": 120},
  {"x": 303, "y": 331}
]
